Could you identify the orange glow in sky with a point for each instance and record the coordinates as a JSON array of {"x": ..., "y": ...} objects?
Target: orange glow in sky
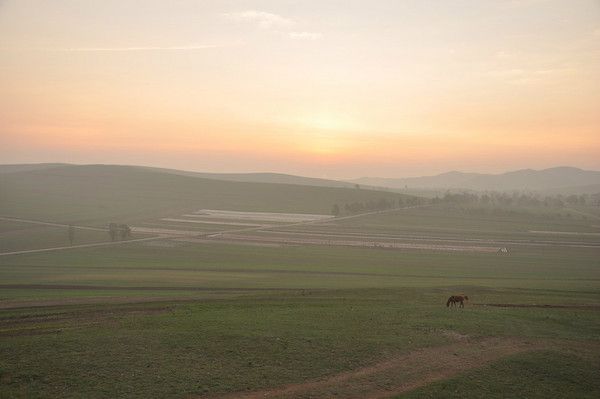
[{"x": 327, "y": 89}]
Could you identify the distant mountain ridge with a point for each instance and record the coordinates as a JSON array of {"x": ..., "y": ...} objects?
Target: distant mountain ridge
[
  {"x": 524, "y": 179},
  {"x": 556, "y": 180}
]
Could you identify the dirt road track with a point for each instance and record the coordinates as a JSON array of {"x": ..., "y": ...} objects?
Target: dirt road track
[
  {"x": 97, "y": 244},
  {"x": 404, "y": 373},
  {"x": 162, "y": 236},
  {"x": 543, "y": 306}
]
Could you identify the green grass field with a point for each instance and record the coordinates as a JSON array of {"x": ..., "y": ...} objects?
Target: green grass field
[
  {"x": 234, "y": 266},
  {"x": 474, "y": 222},
  {"x": 532, "y": 375},
  {"x": 17, "y": 236},
  {"x": 169, "y": 318},
  {"x": 356, "y": 306}
]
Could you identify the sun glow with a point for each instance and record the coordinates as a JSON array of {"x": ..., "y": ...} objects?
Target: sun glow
[
  {"x": 325, "y": 145},
  {"x": 329, "y": 122}
]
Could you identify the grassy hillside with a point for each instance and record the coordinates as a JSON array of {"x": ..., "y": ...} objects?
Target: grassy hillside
[
  {"x": 27, "y": 167},
  {"x": 99, "y": 193}
]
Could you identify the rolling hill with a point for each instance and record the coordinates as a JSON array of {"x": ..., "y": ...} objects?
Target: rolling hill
[
  {"x": 27, "y": 167},
  {"x": 100, "y": 193}
]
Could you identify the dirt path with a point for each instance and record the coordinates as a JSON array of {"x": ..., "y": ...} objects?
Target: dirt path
[
  {"x": 98, "y": 244},
  {"x": 400, "y": 374},
  {"x": 429, "y": 238},
  {"x": 163, "y": 236},
  {"x": 291, "y": 239},
  {"x": 40, "y": 222}
]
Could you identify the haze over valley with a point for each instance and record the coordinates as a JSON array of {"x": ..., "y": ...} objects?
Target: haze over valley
[{"x": 287, "y": 199}]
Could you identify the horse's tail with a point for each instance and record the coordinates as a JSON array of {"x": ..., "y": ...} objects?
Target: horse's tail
[{"x": 448, "y": 303}]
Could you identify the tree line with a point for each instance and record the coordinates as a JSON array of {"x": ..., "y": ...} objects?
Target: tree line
[
  {"x": 380, "y": 204},
  {"x": 118, "y": 231},
  {"x": 491, "y": 198},
  {"x": 518, "y": 199}
]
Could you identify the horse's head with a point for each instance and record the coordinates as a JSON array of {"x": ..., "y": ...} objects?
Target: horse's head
[{"x": 466, "y": 297}]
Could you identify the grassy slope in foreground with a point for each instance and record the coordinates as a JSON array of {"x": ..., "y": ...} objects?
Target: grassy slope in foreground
[
  {"x": 98, "y": 193},
  {"x": 536, "y": 375},
  {"x": 255, "y": 342}
]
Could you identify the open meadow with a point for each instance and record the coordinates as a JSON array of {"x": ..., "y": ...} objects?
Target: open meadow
[
  {"x": 217, "y": 304},
  {"x": 283, "y": 199}
]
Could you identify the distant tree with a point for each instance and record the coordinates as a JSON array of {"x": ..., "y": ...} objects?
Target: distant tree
[
  {"x": 71, "y": 232},
  {"x": 124, "y": 231},
  {"x": 335, "y": 210},
  {"x": 113, "y": 231}
]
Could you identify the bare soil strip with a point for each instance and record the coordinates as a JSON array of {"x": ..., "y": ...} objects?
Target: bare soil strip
[
  {"x": 224, "y": 241},
  {"x": 571, "y": 233},
  {"x": 502, "y": 242},
  {"x": 262, "y": 216},
  {"x": 135, "y": 288},
  {"x": 400, "y": 374},
  {"x": 162, "y": 236},
  {"x": 291, "y": 240},
  {"x": 533, "y": 305},
  {"x": 46, "y": 303},
  {"x": 62, "y": 320},
  {"x": 201, "y": 221},
  {"x": 196, "y": 293},
  {"x": 165, "y": 232}
]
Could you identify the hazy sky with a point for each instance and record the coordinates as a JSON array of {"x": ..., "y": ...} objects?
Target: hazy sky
[{"x": 321, "y": 88}]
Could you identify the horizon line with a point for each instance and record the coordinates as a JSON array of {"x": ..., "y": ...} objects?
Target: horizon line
[{"x": 347, "y": 179}]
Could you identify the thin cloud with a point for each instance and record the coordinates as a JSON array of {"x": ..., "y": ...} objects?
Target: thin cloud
[
  {"x": 304, "y": 35},
  {"x": 139, "y": 48},
  {"x": 264, "y": 20}
]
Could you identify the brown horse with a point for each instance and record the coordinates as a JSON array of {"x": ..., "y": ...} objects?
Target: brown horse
[{"x": 454, "y": 299}]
